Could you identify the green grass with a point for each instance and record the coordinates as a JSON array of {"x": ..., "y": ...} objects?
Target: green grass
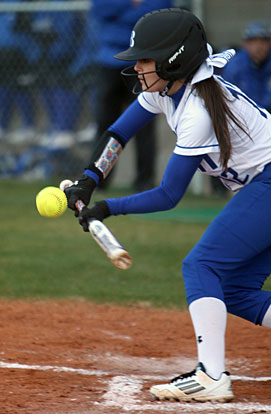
[{"x": 54, "y": 258}]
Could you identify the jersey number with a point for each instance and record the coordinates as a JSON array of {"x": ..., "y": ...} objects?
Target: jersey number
[{"x": 230, "y": 175}]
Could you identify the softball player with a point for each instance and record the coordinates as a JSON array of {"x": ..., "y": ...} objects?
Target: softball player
[{"x": 221, "y": 132}]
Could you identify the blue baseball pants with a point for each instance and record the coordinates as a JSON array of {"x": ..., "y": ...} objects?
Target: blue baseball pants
[{"x": 232, "y": 260}]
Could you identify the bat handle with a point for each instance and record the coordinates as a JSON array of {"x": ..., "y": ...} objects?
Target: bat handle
[{"x": 79, "y": 206}]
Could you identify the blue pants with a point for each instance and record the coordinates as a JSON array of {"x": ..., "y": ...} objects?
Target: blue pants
[{"x": 233, "y": 258}]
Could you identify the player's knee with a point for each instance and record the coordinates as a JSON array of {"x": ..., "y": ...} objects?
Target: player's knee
[
  {"x": 188, "y": 273},
  {"x": 200, "y": 278},
  {"x": 189, "y": 267},
  {"x": 195, "y": 267}
]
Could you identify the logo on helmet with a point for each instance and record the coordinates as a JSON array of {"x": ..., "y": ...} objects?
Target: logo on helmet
[
  {"x": 132, "y": 39},
  {"x": 173, "y": 57}
]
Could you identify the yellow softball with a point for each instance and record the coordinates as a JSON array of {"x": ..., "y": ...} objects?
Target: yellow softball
[{"x": 51, "y": 202}]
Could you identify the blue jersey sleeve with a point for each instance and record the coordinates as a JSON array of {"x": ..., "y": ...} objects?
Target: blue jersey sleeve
[
  {"x": 177, "y": 176},
  {"x": 131, "y": 121}
]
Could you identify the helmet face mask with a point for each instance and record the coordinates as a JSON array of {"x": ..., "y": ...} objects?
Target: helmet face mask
[
  {"x": 136, "y": 88},
  {"x": 174, "y": 38}
]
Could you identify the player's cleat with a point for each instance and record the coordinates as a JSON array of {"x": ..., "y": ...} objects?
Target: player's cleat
[{"x": 195, "y": 386}]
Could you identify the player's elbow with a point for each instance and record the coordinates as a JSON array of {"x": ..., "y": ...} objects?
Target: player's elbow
[
  {"x": 171, "y": 199},
  {"x": 173, "y": 203}
]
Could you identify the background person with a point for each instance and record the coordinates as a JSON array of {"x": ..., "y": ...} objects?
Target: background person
[
  {"x": 58, "y": 34},
  {"x": 250, "y": 69},
  {"x": 84, "y": 77},
  {"x": 113, "y": 24},
  {"x": 18, "y": 54},
  {"x": 223, "y": 133}
]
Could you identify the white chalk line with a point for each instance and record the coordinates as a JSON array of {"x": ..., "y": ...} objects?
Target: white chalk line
[
  {"x": 15, "y": 365},
  {"x": 124, "y": 392},
  {"x": 99, "y": 373}
]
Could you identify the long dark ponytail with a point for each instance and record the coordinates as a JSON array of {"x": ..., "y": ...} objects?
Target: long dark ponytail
[{"x": 216, "y": 103}]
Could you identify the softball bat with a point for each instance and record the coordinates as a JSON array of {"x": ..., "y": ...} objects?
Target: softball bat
[{"x": 104, "y": 237}]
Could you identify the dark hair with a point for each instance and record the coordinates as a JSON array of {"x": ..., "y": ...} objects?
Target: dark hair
[{"x": 216, "y": 103}]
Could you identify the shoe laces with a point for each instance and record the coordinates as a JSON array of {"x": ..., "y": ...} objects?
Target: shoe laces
[{"x": 182, "y": 376}]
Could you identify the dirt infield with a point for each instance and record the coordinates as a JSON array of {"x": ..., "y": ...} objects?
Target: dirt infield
[{"x": 74, "y": 357}]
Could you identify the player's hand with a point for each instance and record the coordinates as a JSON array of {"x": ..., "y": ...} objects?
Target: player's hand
[
  {"x": 81, "y": 189},
  {"x": 98, "y": 211}
]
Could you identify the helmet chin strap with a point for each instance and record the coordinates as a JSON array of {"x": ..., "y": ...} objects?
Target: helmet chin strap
[
  {"x": 167, "y": 88},
  {"x": 145, "y": 82},
  {"x": 129, "y": 71}
]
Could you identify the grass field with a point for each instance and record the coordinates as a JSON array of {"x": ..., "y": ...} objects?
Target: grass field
[{"x": 53, "y": 258}]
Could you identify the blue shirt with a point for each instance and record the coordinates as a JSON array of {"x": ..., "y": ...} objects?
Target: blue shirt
[{"x": 254, "y": 80}]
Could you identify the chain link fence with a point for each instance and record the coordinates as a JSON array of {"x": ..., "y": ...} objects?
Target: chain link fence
[{"x": 47, "y": 88}]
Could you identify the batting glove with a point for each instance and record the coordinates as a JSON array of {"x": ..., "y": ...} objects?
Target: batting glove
[
  {"x": 98, "y": 211},
  {"x": 82, "y": 189}
]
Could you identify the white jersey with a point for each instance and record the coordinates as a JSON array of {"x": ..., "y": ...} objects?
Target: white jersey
[{"x": 195, "y": 134}]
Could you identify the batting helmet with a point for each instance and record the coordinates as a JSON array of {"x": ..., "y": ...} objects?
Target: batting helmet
[{"x": 174, "y": 38}]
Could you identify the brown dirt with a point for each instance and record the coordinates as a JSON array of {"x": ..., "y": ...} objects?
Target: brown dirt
[{"x": 115, "y": 354}]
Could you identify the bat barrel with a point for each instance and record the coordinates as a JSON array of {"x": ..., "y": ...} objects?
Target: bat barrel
[
  {"x": 110, "y": 245},
  {"x": 103, "y": 236}
]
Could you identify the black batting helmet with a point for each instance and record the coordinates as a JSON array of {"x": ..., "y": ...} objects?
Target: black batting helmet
[{"x": 174, "y": 38}]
